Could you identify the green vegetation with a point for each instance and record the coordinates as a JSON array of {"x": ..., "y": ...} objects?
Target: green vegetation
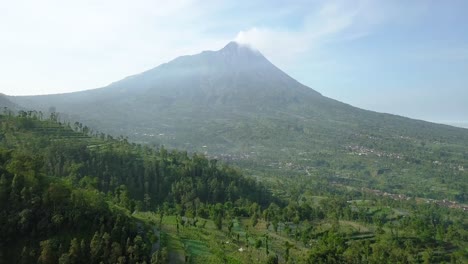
[
  {"x": 235, "y": 106},
  {"x": 60, "y": 187},
  {"x": 70, "y": 197}
]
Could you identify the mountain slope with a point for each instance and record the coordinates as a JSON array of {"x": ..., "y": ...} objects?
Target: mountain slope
[
  {"x": 63, "y": 191},
  {"x": 234, "y": 83},
  {"x": 69, "y": 197},
  {"x": 5, "y": 102},
  {"x": 236, "y": 105}
]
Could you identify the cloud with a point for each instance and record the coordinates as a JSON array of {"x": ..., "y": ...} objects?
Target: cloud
[
  {"x": 279, "y": 46},
  {"x": 332, "y": 21}
]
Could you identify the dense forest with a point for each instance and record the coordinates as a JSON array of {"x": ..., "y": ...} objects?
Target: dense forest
[
  {"x": 63, "y": 189},
  {"x": 73, "y": 195}
]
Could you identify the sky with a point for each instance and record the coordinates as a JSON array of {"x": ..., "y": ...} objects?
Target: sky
[{"x": 403, "y": 57}]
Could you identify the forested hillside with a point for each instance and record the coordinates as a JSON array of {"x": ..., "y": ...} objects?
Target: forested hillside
[
  {"x": 72, "y": 195},
  {"x": 67, "y": 195}
]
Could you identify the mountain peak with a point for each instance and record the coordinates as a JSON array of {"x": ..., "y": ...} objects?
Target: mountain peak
[
  {"x": 236, "y": 48},
  {"x": 232, "y": 45}
]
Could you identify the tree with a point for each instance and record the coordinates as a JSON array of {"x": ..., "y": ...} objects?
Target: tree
[
  {"x": 258, "y": 243},
  {"x": 160, "y": 257},
  {"x": 427, "y": 256},
  {"x": 287, "y": 247},
  {"x": 254, "y": 219},
  {"x": 230, "y": 226},
  {"x": 267, "y": 250},
  {"x": 329, "y": 249},
  {"x": 106, "y": 245},
  {"x": 26, "y": 256},
  {"x": 74, "y": 252},
  {"x": 139, "y": 249},
  {"x": 64, "y": 259},
  {"x": 95, "y": 247},
  {"x": 273, "y": 259},
  {"x": 47, "y": 255},
  {"x": 4, "y": 190},
  {"x": 116, "y": 252},
  {"x": 217, "y": 214}
]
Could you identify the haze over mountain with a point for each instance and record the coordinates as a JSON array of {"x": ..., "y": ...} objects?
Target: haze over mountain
[
  {"x": 234, "y": 82},
  {"x": 213, "y": 86},
  {"x": 236, "y": 105},
  {"x": 229, "y": 75}
]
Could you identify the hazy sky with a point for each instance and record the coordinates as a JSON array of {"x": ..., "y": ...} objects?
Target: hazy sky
[{"x": 403, "y": 57}]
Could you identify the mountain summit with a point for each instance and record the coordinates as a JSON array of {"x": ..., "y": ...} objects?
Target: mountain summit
[
  {"x": 227, "y": 101},
  {"x": 237, "y": 75},
  {"x": 234, "y": 48},
  {"x": 242, "y": 54}
]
